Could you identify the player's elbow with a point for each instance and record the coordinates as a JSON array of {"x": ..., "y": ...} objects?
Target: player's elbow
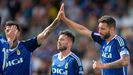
[
  {"x": 125, "y": 60},
  {"x": 41, "y": 39}
]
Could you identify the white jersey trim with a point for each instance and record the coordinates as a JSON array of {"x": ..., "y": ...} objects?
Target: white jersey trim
[
  {"x": 120, "y": 41},
  {"x": 61, "y": 59},
  {"x": 124, "y": 71},
  {"x": 125, "y": 51},
  {"x": 15, "y": 47}
]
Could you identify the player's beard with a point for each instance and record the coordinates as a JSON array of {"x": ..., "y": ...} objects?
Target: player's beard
[
  {"x": 106, "y": 36},
  {"x": 62, "y": 48}
]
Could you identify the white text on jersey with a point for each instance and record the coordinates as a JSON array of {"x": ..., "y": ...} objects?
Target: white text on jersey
[{"x": 14, "y": 62}]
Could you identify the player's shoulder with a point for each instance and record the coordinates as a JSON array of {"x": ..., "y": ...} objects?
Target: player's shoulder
[
  {"x": 30, "y": 39},
  {"x": 74, "y": 57},
  {"x": 28, "y": 42},
  {"x": 2, "y": 40},
  {"x": 120, "y": 40},
  {"x": 117, "y": 37},
  {"x": 55, "y": 55}
]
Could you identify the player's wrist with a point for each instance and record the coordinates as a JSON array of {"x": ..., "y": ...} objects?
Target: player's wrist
[
  {"x": 105, "y": 65},
  {"x": 64, "y": 19},
  {"x": 108, "y": 65},
  {"x": 57, "y": 19}
]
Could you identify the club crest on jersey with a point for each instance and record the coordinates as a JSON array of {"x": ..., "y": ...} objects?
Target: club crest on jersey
[
  {"x": 18, "y": 52},
  {"x": 66, "y": 65}
]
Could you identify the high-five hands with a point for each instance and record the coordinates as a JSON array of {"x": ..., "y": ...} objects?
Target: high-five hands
[{"x": 60, "y": 11}]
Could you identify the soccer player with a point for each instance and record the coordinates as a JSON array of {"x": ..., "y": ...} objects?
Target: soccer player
[
  {"x": 0, "y": 56},
  {"x": 18, "y": 54},
  {"x": 66, "y": 62},
  {"x": 114, "y": 51},
  {"x": 2, "y": 43}
]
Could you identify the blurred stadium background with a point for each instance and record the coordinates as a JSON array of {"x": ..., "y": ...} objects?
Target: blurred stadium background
[{"x": 35, "y": 15}]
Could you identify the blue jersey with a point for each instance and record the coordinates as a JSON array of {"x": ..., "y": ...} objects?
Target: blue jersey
[
  {"x": 70, "y": 65},
  {"x": 3, "y": 43},
  {"x": 112, "y": 51},
  {"x": 17, "y": 61}
]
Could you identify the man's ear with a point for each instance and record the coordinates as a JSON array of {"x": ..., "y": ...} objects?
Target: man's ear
[{"x": 112, "y": 29}]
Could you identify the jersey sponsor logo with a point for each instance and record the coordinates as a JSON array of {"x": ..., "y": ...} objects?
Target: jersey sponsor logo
[
  {"x": 58, "y": 71},
  {"x": 14, "y": 62},
  {"x": 107, "y": 55},
  {"x": 107, "y": 52}
]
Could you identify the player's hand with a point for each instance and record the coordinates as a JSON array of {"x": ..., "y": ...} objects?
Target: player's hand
[
  {"x": 11, "y": 34},
  {"x": 62, "y": 13},
  {"x": 97, "y": 65},
  {"x": 59, "y": 13}
]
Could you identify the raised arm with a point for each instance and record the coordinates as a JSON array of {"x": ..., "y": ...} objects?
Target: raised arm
[
  {"x": 79, "y": 28},
  {"x": 43, "y": 35}
]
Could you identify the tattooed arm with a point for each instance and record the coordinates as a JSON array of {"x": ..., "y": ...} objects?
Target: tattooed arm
[
  {"x": 43, "y": 35},
  {"x": 123, "y": 61},
  {"x": 119, "y": 63}
]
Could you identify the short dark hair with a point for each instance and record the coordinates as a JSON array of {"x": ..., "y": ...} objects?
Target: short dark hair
[
  {"x": 109, "y": 20},
  {"x": 69, "y": 34},
  {"x": 10, "y": 23}
]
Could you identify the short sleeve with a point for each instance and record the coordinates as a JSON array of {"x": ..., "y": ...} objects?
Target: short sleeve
[
  {"x": 122, "y": 46},
  {"x": 124, "y": 51},
  {"x": 75, "y": 68},
  {"x": 96, "y": 37},
  {"x": 31, "y": 44}
]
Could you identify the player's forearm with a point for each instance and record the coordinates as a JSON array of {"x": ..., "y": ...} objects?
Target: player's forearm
[
  {"x": 117, "y": 64},
  {"x": 74, "y": 25},
  {"x": 50, "y": 28},
  {"x": 79, "y": 28},
  {"x": 42, "y": 36}
]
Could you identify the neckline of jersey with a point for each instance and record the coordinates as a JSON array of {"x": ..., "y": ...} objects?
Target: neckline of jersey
[
  {"x": 14, "y": 47},
  {"x": 110, "y": 40},
  {"x": 61, "y": 59}
]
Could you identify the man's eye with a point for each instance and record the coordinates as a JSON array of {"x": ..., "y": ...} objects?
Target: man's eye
[{"x": 7, "y": 30}]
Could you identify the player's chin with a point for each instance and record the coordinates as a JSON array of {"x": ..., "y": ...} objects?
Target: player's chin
[{"x": 62, "y": 48}]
